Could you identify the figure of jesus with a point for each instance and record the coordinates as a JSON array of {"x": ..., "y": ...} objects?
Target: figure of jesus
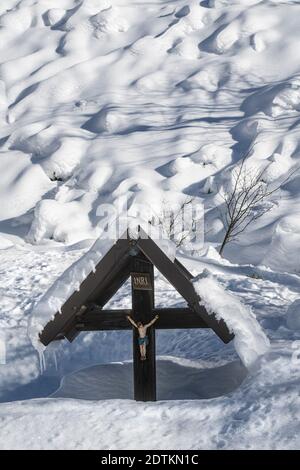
[{"x": 142, "y": 330}]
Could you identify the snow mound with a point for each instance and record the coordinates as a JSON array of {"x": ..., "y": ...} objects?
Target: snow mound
[
  {"x": 287, "y": 100},
  {"x": 207, "y": 78},
  {"x": 5, "y": 243},
  {"x": 156, "y": 82},
  {"x": 65, "y": 159},
  {"x": 61, "y": 221},
  {"x": 187, "y": 48},
  {"x": 250, "y": 341},
  {"x": 224, "y": 41},
  {"x": 109, "y": 21},
  {"x": 16, "y": 20},
  {"x": 293, "y": 316},
  {"x": 193, "y": 16},
  {"x": 55, "y": 15},
  {"x": 180, "y": 164},
  {"x": 283, "y": 253},
  {"x": 147, "y": 45},
  {"x": 22, "y": 184},
  {"x": 212, "y": 154},
  {"x": 177, "y": 379},
  {"x": 106, "y": 120}
]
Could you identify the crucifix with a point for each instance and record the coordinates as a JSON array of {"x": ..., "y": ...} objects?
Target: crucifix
[
  {"x": 143, "y": 311},
  {"x": 135, "y": 259}
]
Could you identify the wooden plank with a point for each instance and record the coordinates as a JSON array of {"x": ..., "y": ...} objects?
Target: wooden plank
[
  {"x": 71, "y": 332},
  {"x": 142, "y": 306},
  {"x": 183, "y": 269},
  {"x": 90, "y": 289},
  {"x": 115, "y": 284},
  {"x": 178, "y": 318},
  {"x": 96, "y": 319}
]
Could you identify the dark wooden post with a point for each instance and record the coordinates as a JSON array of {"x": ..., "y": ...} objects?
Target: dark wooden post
[{"x": 142, "y": 310}]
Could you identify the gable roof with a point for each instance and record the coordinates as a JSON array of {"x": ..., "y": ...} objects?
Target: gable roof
[{"x": 110, "y": 274}]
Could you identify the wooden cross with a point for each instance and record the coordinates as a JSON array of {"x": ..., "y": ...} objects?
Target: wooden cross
[
  {"x": 84, "y": 309},
  {"x": 94, "y": 318}
]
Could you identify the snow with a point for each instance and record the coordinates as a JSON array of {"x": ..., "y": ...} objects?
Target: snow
[
  {"x": 235, "y": 421},
  {"x": 20, "y": 175},
  {"x": 109, "y": 20},
  {"x": 5, "y": 243},
  {"x": 131, "y": 104},
  {"x": 293, "y": 316},
  {"x": 176, "y": 379},
  {"x": 250, "y": 341},
  {"x": 266, "y": 401},
  {"x": 55, "y": 15},
  {"x": 285, "y": 243},
  {"x": 63, "y": 288}
]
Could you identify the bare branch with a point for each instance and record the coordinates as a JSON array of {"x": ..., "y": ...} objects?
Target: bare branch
[{"x": 241, "y": 201}]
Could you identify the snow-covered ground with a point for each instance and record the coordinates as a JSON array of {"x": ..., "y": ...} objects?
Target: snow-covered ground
[{"x": 122, "y": 102}]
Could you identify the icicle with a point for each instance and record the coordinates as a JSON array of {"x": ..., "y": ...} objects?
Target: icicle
[
  {"x": 55, "y": 360},
  {"x": 93, "y": 266},
  {"x": 77, "y": 286},
  {"x": 42, "y": 361}
]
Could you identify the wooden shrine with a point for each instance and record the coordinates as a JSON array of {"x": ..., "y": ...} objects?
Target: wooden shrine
[{"x": 135, "y": 259}]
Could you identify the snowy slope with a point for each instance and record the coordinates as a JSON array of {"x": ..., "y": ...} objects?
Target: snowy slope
[
  {"x": 127, "y": 102},
  {"x": 123, "y": 99}
]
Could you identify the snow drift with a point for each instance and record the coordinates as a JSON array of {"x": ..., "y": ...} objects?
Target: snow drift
[
  {"x": 250, "y": 341},
  {"x": 293, "y": 316}
]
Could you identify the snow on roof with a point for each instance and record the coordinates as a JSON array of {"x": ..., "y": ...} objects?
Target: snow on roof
[{"x": 250, "y": 341}]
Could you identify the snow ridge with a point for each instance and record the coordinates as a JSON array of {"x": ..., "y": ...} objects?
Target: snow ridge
[{"x": 250, "y": 341}]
